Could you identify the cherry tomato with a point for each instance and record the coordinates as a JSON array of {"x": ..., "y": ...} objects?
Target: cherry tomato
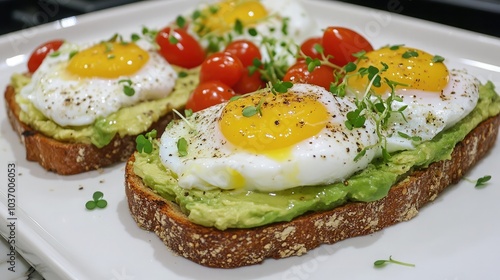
[
  {"x": 207, "y": 94},
  {"x": 245, "y": 50},
  {"x": 179, "y": 48},
  {"x": 297, "y": 73},
  {"x": 341, "y": 43},
  {"x": 249, "y": 83},
  {"x": 322, "y": 75},
  {"x": 41, "y": 52},
  {"x": 222, "y": 67},
  {"x": 308, "y": 47}
]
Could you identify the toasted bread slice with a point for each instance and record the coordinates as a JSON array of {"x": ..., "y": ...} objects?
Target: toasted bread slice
[
  {"x": 67, "y": 158},
  {"x": 240, "y": 247}
]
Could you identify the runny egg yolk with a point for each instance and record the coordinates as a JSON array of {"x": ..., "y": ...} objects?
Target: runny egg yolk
[
  {"x": 410, "y": 68},
  {"x": 284, "y": 120},
  {"x": 108, "y": 60},
  {"x": 223, "y": 16}
]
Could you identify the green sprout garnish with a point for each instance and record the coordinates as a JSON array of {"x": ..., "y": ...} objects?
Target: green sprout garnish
[
  {"x": 480, "y": 182},
  {"x": 55, "y": 54},
  {"x": 437, "y": 58},
  {"x": 180, "y": 21},
  {"x": 182, "y": 146},
  {"x": 127, "y": 87},
  {"x": 144, "y": 144},
  {"x": 410, "y": 54},
  {"x": 72, "y": 53},
  {"x": 382, "y": 263},
  {"x": 97, "y": 201}
]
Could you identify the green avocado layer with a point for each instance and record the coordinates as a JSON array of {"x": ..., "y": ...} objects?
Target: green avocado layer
[
  {"x": 246, "y": 209},
  {"x": 131, "y": 120}
]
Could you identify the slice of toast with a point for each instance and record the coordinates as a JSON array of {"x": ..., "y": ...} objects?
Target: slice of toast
[
  {"x": 67, "y": 158},
  {"x": 240, "y": 247}
]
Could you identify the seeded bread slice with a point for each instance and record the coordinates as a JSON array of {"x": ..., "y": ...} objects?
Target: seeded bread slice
[
  {"x": 240, "y": 247},
  {"x": 70, "y": 158}
]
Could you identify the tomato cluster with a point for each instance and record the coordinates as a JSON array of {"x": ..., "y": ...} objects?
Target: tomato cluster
[
  {"x": 338, "y": 44},
  {"x": 226, "y": 73}
]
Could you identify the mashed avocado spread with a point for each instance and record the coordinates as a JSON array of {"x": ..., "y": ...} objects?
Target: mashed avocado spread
[
  {"x": 246, "y": 209},
  {"x": 131, "y": 120}
]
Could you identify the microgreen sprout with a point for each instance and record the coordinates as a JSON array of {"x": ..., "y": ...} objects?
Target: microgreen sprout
[
  {"x": 144, "y": 144},
  {"x": 55, "y": 54},
  {"x": 97, "y": 201},
  {"x": 437, "y": 58},
  {"x": 184, "y": 118},
  {"x": 480, "y": 182},
  {"x": 127, "y": 87},
  {"x": 182, "y": 146},
  {"x": 410, "y": 54},
  {"x": 382, "y": 263}
]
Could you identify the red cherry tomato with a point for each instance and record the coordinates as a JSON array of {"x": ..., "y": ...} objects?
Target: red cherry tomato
[
  {"x": 245, "y": 50},
  {"x": 208, "y": 94},
  {"x": 179, "y": 48},
  {"x": 297, "y": 73},
  {"x": 41, "y": 52},
  {"x": 249, "y": 83},
  {"x": 322, "y": 75},
  {"x": 222, "y": 67},
  {"x": 308, "y": 47},
  {"x": 341, "y": 43}
]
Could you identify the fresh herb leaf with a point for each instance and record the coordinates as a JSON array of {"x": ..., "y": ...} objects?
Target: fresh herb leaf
[
  {"x": 72, "y": 53},
  {"x": 127, "y": 87},
  {"x": 182, "y": 74},
  {"x": 181, "y": 21},
  {"x": 182, "y": 146},
  {"x": 55, "y": 54},
  {"x": 135, "y": 37},
  {"x": 238, "y": 26},
  {"x": 410, "y": 54},
  {"x": 97, "y": 201},
  {"x": 437, "y": 58},
  {"x": 482, "y": 181},
  {"x": 250, "y": 111},
  {"x": 382, "y": 263},
  {"x": 188, "y": 113},
  {"x": 395, "y": 47},
  {"x": 172, "y": 40}
]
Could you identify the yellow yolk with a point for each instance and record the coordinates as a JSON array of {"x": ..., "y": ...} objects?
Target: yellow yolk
[
  {"x": 285, "y": 120},
  {"x": 108, "y": 60},
  {"x": 413, "y": 68},
  {"x": 222, "y": 16}
]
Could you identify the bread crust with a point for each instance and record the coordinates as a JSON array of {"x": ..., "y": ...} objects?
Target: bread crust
[
  {"x": 240, "y": 247},
  {"x": 67, "y": 158}
]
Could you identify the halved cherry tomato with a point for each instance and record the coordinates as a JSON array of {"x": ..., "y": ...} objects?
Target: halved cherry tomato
[
  {"x": 308, "y": 47},
  {"x": 207, "y": 94},
  {"x": 249, "y": 83},
  {"x": 223, "y": 67},
  {"x": 245, "y": 50},
  {"x": 179, "y": 48},
  {"x": 41, "y": 52},
  {"x": 322, "y": 75},
  {"x": 341, "y": 43}
]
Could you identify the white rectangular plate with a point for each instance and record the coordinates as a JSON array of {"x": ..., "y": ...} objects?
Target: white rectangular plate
[{"x": 455, "y": 237}]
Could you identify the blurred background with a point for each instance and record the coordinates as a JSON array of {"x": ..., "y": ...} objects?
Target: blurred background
[{"x": 476, "y": 15}]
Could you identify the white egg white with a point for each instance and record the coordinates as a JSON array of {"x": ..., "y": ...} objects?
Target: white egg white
[
  {"x": 429, "y": 113},
  {"x": 213, "y": 162},
  {"x": 72, "y": 101}
]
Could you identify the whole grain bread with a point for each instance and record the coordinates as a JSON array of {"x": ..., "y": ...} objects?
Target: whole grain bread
[
  {"x": 240, "y": 247},
  {"x": 67, "y": 158}
]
